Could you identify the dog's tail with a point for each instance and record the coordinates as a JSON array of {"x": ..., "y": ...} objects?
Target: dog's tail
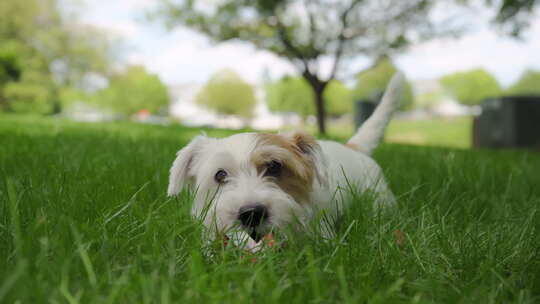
[{"x": 371, "y": 132}]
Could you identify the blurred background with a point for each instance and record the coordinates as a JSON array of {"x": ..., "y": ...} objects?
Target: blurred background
[{"x": 472, "y": 67}]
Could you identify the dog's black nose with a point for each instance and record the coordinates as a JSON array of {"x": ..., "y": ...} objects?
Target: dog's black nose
[{"x": 252, "y": 215}]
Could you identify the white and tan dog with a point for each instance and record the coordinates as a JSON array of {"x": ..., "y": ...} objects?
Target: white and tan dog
[{"x": 258, "y": 182}]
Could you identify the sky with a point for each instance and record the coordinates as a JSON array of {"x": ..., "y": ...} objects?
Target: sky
[{"x": 182, "y": 56}]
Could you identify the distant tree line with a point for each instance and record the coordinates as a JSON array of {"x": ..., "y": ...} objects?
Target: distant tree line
[
  {"x": 227, "y": 93},
  {"x": 472, "y": 86}
]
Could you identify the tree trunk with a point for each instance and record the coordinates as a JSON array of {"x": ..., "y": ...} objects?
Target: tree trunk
[
  {"x": 56, "y": 107},
  {"x": 318, "y": 87},
  {"x": 321, "y": 111},
  {"x": 318, "y": 90},
  {"x": 56, "y": 103}
]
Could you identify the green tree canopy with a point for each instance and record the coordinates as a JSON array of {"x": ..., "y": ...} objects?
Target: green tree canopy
[
  {"x": 372, "y": 82},
  {"x": 32, "y": 90},
  {"x": 50, "y": 50},
  {"x": 527, "y": 84},
  {"x": 339, "y": 98},
  {"x": 227, "y": 93},
  {"x": 290, "y": 94},
  {"x": 293, "y": 94},
  {"x": 471, "y": 87},
  {"x": 134, "y": 90},
  {"x": 10, "y": 67}
]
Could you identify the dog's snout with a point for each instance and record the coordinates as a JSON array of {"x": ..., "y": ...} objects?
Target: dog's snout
[{"x": 252, "y": 215}]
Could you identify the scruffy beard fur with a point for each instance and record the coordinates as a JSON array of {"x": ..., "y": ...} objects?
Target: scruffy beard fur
[{"x": 292, "y": 176}]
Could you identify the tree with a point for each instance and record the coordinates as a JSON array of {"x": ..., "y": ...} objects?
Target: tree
[
  {"x": 134, "y": 90},
  {"x": 52, "y": 50},
  {"x": 513, "y": 15},
  {"x": 10, "y": 67},
  {"x": 340, "y": 98},
  {"x": 290, "y": 94},
  {"x": 226, "y": 93},
  {"x": 304, "y": 32},
  {"x": 10, "y": 70},
  {"x": 527, "y": 84},
  {"x": 28, "y": 97},
  {"x": 471, "y": 87},
  {"x": 293, "y": 94},
  {"x": 28, "y": 89},
  {"x": 372, "y": 82}
]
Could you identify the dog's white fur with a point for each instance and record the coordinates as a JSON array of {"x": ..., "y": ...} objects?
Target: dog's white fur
[{"x": 318, "y": 176}]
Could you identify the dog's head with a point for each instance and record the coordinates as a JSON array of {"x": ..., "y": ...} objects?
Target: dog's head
[{"x": 255, "y": 181}]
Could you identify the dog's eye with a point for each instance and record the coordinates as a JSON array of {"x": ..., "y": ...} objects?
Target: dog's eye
[
  {"x": 220, "y": 176},
  {"x": 273, "y": 168}
]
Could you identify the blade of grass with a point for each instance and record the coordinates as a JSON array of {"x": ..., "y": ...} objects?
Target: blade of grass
[{"x": 83, "y": 254}]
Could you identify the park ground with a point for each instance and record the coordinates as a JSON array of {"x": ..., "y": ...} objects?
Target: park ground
[
  {"x": 84, "y": 219},
  {"x": 454, "y": 132}
]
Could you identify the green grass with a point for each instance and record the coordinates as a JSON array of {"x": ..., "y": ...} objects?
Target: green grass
[
  {"x": 84, "y": 219},
  {"x": 452, "y": 132},
  {"x": 449, "y": 132}
]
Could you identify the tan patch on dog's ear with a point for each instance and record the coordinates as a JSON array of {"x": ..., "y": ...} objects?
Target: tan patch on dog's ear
[
  {"x": 305, "y": 142},
  {"x": 312, "y": 150},
  {"x": 293, "y": 152}
]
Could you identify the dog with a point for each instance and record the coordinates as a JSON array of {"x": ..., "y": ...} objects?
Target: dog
[{"x": 256, "y": 183}]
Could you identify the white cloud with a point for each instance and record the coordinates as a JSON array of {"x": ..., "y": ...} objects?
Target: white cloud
[
  {"x": 194, "y": 59},
  {"x": 138, "y": 4},
  {"x": 503, "y": 56}
]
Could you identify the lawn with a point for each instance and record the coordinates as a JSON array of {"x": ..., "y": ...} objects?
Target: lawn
[
  {"x": 84, "y": 219},
  {"x": 443, "y": 132},
  {"x": 446, "y": 132}
]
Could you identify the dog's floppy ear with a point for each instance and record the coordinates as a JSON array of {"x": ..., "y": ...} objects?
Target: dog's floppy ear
[
  {"x": 311, "y": 149},
  {"x": 180, "y": 170}
]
